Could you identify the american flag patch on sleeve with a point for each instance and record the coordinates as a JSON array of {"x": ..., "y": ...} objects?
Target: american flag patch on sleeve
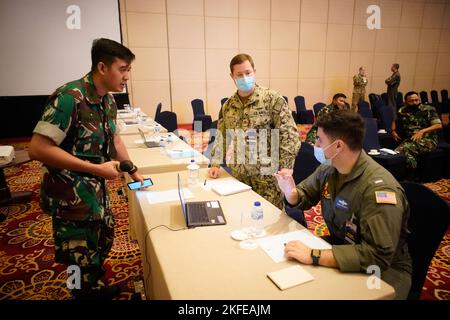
[{"x": 385, "y": 197}]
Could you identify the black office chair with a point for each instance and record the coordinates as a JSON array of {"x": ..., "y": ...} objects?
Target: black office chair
[
  {"x": 445, "y": 103},
  {"x": 305, "y": 164},
  {"x": 395, "y": 164},
  {"x": 317, "y": 107},
  {"x": 299, "y": 103},
  {"x": 384, "y": 97},
  {"x": 444, "y": 145},
  {"x": 305, "y": 117},
  {"x": 198, "y": 107},
  {"x": 424, "y": 97},
  {"x": 428, "y": 222},
  {"x": 158, "y": 111},
  {"x": 168, "y": 120},
  {"x": 399, "y": 100},
  {"x": 435, "y": 101},
  {"x": 364, "y": 109}
]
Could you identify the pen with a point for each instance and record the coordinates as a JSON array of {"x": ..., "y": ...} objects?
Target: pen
[{"x": 204, "y": 183}]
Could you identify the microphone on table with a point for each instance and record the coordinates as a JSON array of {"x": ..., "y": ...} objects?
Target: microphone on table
[{"x": 126, "y": 166}]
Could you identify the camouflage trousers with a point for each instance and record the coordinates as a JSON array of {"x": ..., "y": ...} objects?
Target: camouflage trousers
[
  {"x": 411, "y": 150},
  {"x": 85, "y": 244},
  {"x": 264, "y": 185},
  {"x": 356, "y": 98}
]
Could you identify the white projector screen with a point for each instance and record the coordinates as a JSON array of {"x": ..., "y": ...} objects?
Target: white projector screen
[{"x": 46, "y": 43}]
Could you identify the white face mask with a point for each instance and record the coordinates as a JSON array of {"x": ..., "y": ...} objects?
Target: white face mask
[{"x": 319, "y": 153}]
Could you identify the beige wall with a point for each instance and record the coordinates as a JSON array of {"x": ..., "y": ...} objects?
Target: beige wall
[{"x": 307, "y": 47}]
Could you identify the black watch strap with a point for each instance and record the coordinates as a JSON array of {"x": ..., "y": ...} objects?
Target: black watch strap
[
  {"x": 315, "y": 255},
  {"x": 132, "y": 171}
]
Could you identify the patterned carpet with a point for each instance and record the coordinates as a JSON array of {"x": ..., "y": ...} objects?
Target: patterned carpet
[{"x": 28, "y": 271}]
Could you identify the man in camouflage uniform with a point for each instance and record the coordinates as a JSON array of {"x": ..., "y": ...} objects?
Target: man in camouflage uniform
[
  {"x": 76, "y": 139},
  {"x": 359, "y": 88},
  {"x": 419, "y": 125},
  {"x": 338, "y": 103},
  {"x": 247, "y": 121},
  {"x": 392, "y": 88},
  {"x": 364, "y": 207}
]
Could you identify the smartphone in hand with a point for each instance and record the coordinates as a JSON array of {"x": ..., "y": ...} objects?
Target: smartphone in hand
[{"x": 137, "y": 184}]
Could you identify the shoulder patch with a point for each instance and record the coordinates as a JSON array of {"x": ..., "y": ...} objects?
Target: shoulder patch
[{"x": 388, "y": 197}]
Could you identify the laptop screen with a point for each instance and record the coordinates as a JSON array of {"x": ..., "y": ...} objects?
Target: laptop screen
[
  {"x": 142, "y": 134},
  {"x": 183, "y": 202}
]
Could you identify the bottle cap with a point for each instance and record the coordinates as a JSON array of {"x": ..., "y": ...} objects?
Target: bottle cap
[{"x": 257, "y": 203}]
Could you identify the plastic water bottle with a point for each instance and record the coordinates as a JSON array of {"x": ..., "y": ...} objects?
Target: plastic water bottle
[
  {"x": 257, "y": 216},
  {"x": 193, "y": 172},
  {"x": 162, "y": 146}
]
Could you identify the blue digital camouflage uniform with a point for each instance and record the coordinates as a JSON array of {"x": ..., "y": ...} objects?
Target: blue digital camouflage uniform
[
  {"x": 413, "y": 119},
  {"x": 264, "y": 109},
  {"x": 82, "y": 124}
]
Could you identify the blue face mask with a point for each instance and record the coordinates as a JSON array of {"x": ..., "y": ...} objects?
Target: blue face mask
[
  {"x": 319, "y": 153},
  {"x": 245, "y": 84}
]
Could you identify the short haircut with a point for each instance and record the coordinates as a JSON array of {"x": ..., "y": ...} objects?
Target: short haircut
[
  {"x": 396, "y": 65},
  {"x": 106, "y": 51},
  {"x": 410, "y": 93},
  {"x": 240, "y": 58},
  {"x": 346, "y": 125},
  {"x": 339, "y": 95}
]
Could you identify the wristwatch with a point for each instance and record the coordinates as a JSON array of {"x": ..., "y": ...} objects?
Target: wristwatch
[
  {"x": 315, "y": 255},
  {"x": 132, "y": 171}
]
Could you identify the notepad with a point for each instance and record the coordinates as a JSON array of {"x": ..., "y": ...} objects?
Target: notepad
[
  {"x": 290, "y": 277},
  {"x": 227, "y": 186}
]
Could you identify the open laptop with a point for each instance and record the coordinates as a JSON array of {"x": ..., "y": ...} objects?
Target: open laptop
[
  {"x": 200, "y": 213},
  {"x": 149, "y": 144}
]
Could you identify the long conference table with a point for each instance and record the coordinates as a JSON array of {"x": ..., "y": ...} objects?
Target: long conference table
[
  {"x": 206, "y": 263},
  {"x": 152, "y": 160}
]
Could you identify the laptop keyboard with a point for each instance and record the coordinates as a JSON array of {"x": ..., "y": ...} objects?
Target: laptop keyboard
[{"x": 197, "y": 212}]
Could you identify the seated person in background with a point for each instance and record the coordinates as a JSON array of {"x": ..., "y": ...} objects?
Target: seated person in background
[
  {"x": 338, "y": 103},
  {"x": 364, "y": 207},
  {"x": 419, "y": 125}
]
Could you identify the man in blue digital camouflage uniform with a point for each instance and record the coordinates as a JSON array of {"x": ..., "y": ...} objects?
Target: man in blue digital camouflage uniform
[{"x": 76, "y": 139}]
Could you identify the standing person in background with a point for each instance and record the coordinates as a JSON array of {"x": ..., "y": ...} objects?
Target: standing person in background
[
  {"x": 359, "y": 88},
  {"x": 392, "y": 88},
  {"x": 257, "y": 109},
  {"x": 76, "y": 140}
]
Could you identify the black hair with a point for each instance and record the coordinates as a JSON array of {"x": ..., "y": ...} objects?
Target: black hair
[
  {"x": 106, "y": 51},
  {"x": 339, "y": 95},
  {"x": 410, "y": 93},
  {"x": 345, "y": 125}
]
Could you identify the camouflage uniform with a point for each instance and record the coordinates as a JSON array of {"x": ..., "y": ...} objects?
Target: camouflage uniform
[
  {"x": 359, "y": 90},
  {"x": 83, "y": 226},
  {"x": 414, "y": 119},
  {"x": 392, "y": 88},
  {"x": 312, "y": 133},
  {"x": 264, "y": 109}
]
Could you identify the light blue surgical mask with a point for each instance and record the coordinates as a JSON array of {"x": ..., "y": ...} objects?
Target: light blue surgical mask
[
  {"x": 319, "y": 153},
  {"x": 246, "y": 83}
]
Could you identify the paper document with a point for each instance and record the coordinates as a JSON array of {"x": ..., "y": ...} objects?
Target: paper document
[
  {"x": 182, "y": 153},
  {"x": 166, "y": 196},
  {"x": 289, "y": 277},
  {"x": 274, "y": 245},
  {"x": 225, "y": 186}
]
